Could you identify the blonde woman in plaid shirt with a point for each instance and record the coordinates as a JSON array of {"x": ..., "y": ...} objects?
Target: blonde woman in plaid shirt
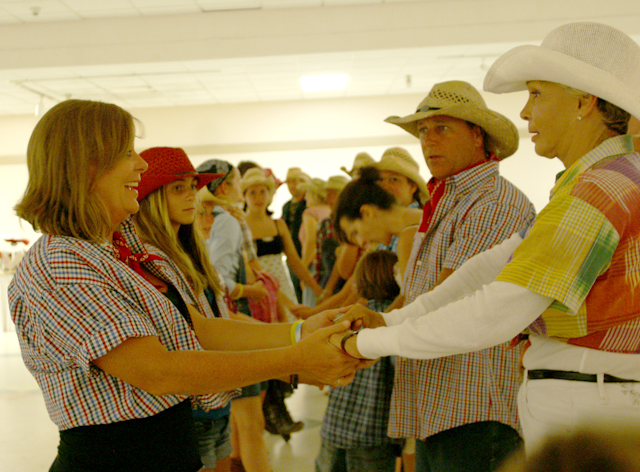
[{"x": 116, "y": 361}]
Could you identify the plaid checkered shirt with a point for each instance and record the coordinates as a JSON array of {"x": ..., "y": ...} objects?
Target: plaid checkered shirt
[
  {"x": 357, "y": 414},
  {"x": 73, "y": 301},
  {"x": 478, "y": 210},
  {"x": 591, "y": 269}
]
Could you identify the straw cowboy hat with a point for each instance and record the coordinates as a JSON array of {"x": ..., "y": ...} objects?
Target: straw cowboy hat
[
  {"x": 397, "y": 159},
  {"x": 317, "y": 186},
  {"x": 167, "y": 165},
  {"x": 592, "y": 57},
  {"x": 461, "y": 100},
  {"x": 257, "y": 176},
  {"x": 336, "y": 182},
  {"x": 296, "y": 173},
  {"x": 362, "y": 159}
]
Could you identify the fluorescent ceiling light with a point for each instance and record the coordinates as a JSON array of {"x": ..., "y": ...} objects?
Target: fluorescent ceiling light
[{"x": 319, "y": 83}]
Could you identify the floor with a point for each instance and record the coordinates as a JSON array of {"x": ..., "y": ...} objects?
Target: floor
[{"x": 28, "y": 439}]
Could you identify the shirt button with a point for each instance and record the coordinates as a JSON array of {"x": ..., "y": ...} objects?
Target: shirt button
[{"x": 418, "y": 263}]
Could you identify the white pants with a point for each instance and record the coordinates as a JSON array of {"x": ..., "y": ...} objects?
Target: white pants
[{"x": 549, "y": 406}]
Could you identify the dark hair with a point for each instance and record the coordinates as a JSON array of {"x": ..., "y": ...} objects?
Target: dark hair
[
  {"x": 244, "y": 166},
  {"x": 374, "y": 276},
  {"x": 361, "y": 191}
]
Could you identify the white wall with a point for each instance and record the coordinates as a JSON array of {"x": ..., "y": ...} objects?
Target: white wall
[{"x": 320, "y": 136}]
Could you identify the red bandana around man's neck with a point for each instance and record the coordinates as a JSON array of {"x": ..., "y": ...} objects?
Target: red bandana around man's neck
[{"x": 436, "y": 191}]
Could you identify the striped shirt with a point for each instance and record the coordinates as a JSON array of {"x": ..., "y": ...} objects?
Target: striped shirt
[
  {"x": 72, "y": 301},
  {"x": 477, "y": 210},
  {"x": 583, "y": 251}
]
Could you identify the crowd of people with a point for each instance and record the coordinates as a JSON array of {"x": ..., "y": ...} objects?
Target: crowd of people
[{"x": 166, "y": 314}]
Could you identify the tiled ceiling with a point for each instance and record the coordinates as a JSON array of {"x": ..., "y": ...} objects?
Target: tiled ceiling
[
  {"x": 271, "y": 78},
  {"x": 249, "y": 79}
]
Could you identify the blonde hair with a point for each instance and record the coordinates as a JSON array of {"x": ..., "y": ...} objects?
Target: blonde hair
[
  {"x": 73, "y": 143},
  {"x": 614, "y": 118},
  {"x": 186, "y": 249}
]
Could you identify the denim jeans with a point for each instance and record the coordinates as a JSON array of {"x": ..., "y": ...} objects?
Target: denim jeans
[
  {"x": 475, "y": 447},
  {"x": 358, "y": 459}
]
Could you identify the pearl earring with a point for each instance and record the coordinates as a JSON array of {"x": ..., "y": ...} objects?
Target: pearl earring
[{"x": 579, "y": 118}]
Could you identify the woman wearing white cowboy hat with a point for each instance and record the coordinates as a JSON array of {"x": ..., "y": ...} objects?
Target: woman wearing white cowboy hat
[{"x": 571, "y": 279}]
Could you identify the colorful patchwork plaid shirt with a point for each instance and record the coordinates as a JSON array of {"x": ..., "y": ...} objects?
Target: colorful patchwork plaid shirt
[
  {"x": 478, "y": 210},
  {"x": 72, "y": 301},
  {"x": 584, "y": 251}
]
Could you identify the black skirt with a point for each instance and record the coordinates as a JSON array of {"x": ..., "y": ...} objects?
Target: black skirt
[{"x": 165, "y": 442}]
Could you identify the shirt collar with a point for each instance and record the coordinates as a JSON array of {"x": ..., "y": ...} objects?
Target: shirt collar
[
  {"x": 465, "y": 181},
  {"x": 616, "y": 146}
]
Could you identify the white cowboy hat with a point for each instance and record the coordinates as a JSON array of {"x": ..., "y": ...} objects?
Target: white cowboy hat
[
  {"x": 461, "y": 100},
  {"x": 591, "y": 57}
]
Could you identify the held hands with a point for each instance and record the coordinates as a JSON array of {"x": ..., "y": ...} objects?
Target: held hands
[
  {"x": 321, "y": 361},
  {"x": 361, "y": 317}
]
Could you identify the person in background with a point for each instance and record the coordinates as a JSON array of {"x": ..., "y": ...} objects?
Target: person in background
[
  {"x": 464, "y": 416},
  {"x": 292, "y": 216},
  {"x": 362, "y": 159},
  {"x": 400, "y": 176},
  {"x": 354, "y": 428},
  {"x": 316, "y": 211},
  {"x": 270, "y": 237},
  {"x": 327, "y": 241},
  {"x": 569, "y": 278},
  {"x": 224, "y": 248},
  {"x": 167, "y": 199},
  {"x": 95, "y": 332}
]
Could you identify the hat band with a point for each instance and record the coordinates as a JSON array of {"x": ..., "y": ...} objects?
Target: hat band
[{"x": 426, "y": 108}]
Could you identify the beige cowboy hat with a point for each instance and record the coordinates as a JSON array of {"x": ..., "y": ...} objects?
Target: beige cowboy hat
[
  {"x": 296, "y": 172},
  {"x": 592, "y": 57},
  {"x": 397, "y": 159},
  {"x": 461, "y": 100},
  {"x": 336, "y": 182},
  {"x": 257, "y": 176},
  {"x": 362, "y": 159},
  {"x": 317, "y": 186}
]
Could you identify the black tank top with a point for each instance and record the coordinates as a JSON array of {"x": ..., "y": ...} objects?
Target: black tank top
[{"x": 270, "y": 245}]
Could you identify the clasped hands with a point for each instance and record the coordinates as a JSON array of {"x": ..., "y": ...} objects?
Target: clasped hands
[{"x": 338, "y": 325}]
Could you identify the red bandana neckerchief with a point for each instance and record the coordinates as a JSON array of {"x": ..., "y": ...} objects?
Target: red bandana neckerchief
[
  {"x": 132, "y": 260},
  {"x": 436, "y": 191}
]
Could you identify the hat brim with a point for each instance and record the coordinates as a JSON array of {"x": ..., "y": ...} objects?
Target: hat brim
[
  {"x": 149, "y": 184},
  {"x": 511, "y": 72},
  {"x": 270, "y": 184},
  {"x": 501, "y": 132},
  {"x": 414, "y": 177}
]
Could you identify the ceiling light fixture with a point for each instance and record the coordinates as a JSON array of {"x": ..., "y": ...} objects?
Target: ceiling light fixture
[{"x": 321, "y": 83}]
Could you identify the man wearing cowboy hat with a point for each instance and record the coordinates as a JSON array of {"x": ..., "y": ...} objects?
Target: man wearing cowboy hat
[{"x": 466, "y": 404}]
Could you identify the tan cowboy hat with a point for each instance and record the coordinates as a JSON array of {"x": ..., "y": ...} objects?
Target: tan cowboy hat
[
  {"x": 397, "y": 159},
  {"x": 592, "y": 57},
  {"x": 257, "y": 176},
  {"x": 296, "y": 172},
  {"x": 461, "y": 100},
  {"x": 336, "y": 182},
  {"x": 317, "y": 186},
  {"x": 362, "y": 159}
]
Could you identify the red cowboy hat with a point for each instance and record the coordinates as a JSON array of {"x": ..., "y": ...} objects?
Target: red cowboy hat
[{"x": 166, "y": 165}]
